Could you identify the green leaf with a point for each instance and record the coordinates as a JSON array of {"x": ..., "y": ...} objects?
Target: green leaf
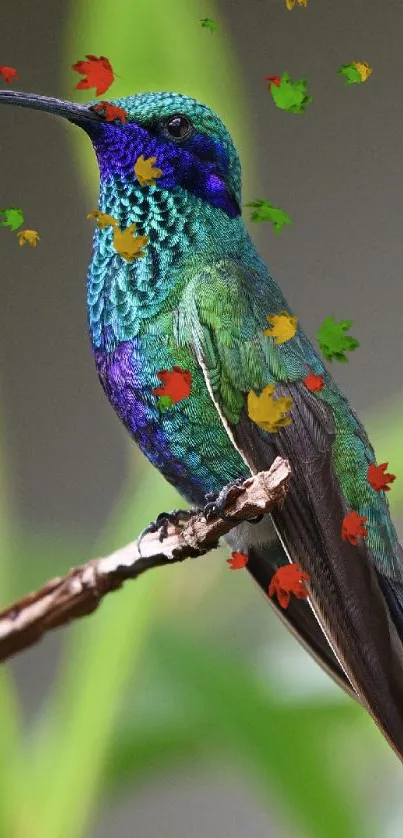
[{"x": 13, "y": 217}]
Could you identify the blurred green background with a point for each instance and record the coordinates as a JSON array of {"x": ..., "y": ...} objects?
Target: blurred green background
[{"x": 183, "y": 707}]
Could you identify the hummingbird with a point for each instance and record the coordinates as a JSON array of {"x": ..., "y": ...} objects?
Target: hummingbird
[{"x": 197, "y": 299}]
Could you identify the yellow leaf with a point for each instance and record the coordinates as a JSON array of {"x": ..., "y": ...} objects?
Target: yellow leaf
[
  {"x": 127, "y": 246},
  {"x": 283, "y": 327},
  {"x": 103, "y": 219},
  {"x": 363, "y": 68},
  {"x": 267, "y": 412},
  {"x": 145, "y": 171},
  {"x": 30, "y": 237},
  {"x": 303, "y": 3},
  {"x": 290, "y": 4}
]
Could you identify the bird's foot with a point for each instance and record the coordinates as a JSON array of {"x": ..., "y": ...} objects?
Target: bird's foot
[
  {"x": 217, "y": 501},
  {"x": 176, "y": 517}
]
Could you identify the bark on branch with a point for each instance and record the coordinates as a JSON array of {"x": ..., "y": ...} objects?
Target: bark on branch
[{"x": 79, "y": 593}]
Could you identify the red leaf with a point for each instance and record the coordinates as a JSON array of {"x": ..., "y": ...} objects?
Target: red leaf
[
  {"x": 8, "y": 73},
  {"x": 98, "y": 71},
  {"x": 237, "y": 560},
  {"x": 378, "y": 479},
  {"x": 289, "y": 579},
  {"x": 313, "y": 382},
  {"x": 353, "y": 527},
  {"x": 110, "y": 112},
  {"x": 176, "y": 384},
  {"x": 274, "y": 80}
]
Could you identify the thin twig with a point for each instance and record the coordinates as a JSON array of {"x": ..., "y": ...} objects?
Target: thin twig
[{"x": 79, "y": 593}]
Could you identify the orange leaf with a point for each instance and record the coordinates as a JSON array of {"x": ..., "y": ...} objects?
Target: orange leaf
[
  {"x": 176, "y": 384},
  {"x": 378, "y": 479},
  {"x": 237, "y": 560},
  {"x": 8, "y": 73},
  {"x": 289, "y": 579},
  {"x": 313, "y": 382},
  {"x": 353, "y": 527},
  {"x": 110, "y": 112},
  {"x": 98, "y": 71}
]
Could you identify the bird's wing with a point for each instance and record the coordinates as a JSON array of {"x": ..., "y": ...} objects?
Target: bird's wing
[{"x": 223, "y": 314}]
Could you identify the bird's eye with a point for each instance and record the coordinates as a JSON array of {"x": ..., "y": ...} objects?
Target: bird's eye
[{"x": 178, "y": 127}]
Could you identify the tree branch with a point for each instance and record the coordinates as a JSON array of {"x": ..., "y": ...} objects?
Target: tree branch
[{"x": 79, "y": 593}]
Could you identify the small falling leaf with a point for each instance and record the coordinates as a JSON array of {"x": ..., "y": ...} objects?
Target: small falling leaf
[
  {"x": 269, "y": 413},
  {"x": 353, "y": 527},
  {"x": 313, "y": 382},
  {"x": 128, "y": 245},
  {"x": 98, "y": 71},
  {"x": 145, "y": 172},
  {"x": 110, "y": 112},
  {"x": 378, "y": 478},
  {"x": 237, "y": 561},
  {"x": 290, "y": 95},
  {"x": 284, "y": 327},
  {"x": 291, "y": 3},
  {"x": 13, "y": 218},
  {"x": 289, "y": 579},
  {"x": 209, "y": 23},
  {"x": 8, "y": 74},
  {"x": 355, "y": 73},
  {"x": 333, "y": 343},
  {"x": 264, "y": 211},
  {"x": 103, "y": 219},
  {"x": 176, "y": 385},
  {"x": 30, "y": 237}
]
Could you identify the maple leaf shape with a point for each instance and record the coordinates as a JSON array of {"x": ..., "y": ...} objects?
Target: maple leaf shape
[
  {"x": 13, "y": 218},
  {"x": 103, "y": 219},
  {"x": 209, "y": 23},
  {"x": 273, "y": 80},
  {"x": 98, "y": 71},
  {"x": 176, "y": 385},
  {"x": 264, "y": 211},
  {"x": 353, "y": 526},
  {"x": 289, "y": 579},
  {"x": 30, "y": 237},
  {"x": 378, "y": 478},
  {"x": 237, "y": 561},
  {"x": 145, "y": 171},
  {"x": 333, "y": 343},
  {"x": 355, "y": 73},
  {"x": 291, "y": 95},
  {"x": 110, "y": 112},
  {"x": 313, "y": 382},
  {"x": 291, "y": 3},
  {"x": 284, "y": 326},
  {"x": 127, "y": 244},
  {"x": 267, "y": 412},
  {"x": 8, "y": 74}
]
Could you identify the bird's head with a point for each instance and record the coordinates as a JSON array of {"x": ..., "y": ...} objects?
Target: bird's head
[{"x": 192, "y": 146}]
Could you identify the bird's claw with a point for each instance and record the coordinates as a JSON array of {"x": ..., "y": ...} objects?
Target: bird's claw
[
  {"x": 176, "y": 517},
  {"x": 217, "y": 501}
]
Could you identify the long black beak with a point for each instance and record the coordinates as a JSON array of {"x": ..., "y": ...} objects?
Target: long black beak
[{"x": 78, "y": 114}]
